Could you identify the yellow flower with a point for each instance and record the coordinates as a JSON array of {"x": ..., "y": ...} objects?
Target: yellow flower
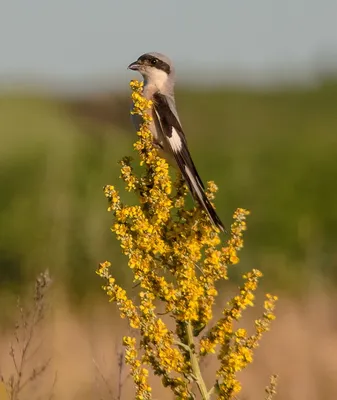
[{"x": 176, "y": 258}]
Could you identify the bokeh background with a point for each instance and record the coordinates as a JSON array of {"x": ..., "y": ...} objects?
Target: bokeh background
[{"x": 257, "y": 95}]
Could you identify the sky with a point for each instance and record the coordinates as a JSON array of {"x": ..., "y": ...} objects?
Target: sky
[{"x": 87, "y": 42}]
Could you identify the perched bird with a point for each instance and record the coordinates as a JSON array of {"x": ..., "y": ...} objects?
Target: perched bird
[{"x": 168, "y": 136}]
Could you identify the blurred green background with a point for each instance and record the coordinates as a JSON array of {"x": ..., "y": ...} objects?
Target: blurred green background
[
  {"x": 257, "y": 97},
  {"x": 269, "y": 150}
]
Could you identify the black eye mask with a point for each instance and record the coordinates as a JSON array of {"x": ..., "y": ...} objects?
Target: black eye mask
[{"x": 155, "y": 62}]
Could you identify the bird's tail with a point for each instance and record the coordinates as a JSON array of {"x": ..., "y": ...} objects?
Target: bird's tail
[{"x": 198, "y": 191}]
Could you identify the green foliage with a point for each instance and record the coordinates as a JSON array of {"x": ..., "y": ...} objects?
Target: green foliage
[
  {"x": 273, "y": 152},
  {"x": 50, "y": 212}
]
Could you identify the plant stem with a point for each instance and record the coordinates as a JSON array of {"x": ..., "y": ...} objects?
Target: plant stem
[{"x": 195, "y": 364}]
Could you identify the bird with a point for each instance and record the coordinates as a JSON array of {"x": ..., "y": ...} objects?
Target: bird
[{"x": 158, "y": 73}]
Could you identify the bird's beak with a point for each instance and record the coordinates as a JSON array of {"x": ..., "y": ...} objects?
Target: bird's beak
[{"x": 134, "y": 66}]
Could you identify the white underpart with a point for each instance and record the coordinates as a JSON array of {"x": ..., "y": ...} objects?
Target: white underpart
[
  {"x": 175, "y": 141},
  {"x": 158, "y": 78},
  {"x": 194, "y": 182}
]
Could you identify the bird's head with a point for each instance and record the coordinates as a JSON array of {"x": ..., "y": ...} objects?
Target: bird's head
[{"x": 155, "y": 68}]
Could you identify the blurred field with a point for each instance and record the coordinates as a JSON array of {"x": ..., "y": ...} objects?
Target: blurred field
[
  {"x": 84, "y": 347},
  {"x": 271, "y": 151}
]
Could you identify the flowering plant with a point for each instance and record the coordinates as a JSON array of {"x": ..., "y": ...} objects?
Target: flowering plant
[{"x": 177, "y": 258}]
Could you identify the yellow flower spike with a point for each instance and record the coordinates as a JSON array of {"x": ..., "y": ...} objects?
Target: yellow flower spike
[
  {"x": 140, "y": 375},
  {"x": 176, "y": 259},
  {"x": 113, "y": 197}
]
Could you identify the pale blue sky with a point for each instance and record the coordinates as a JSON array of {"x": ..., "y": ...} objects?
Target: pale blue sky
[{"x": 81, "y": 41}]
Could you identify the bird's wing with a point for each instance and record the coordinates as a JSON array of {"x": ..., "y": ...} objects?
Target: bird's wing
[{"x": 176, "y": 141}]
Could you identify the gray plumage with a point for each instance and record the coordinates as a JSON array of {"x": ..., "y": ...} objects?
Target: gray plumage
[{"x": 159, "y": 79}]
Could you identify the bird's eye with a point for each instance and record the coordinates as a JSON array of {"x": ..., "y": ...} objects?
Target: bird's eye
[{"x": 154, "y": 61}]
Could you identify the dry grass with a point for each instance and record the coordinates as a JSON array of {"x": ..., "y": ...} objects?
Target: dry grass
[{"x": 84, "y": 350}]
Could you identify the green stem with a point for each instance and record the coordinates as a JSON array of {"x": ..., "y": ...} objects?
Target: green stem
[{"x": 195, "y": 364}]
